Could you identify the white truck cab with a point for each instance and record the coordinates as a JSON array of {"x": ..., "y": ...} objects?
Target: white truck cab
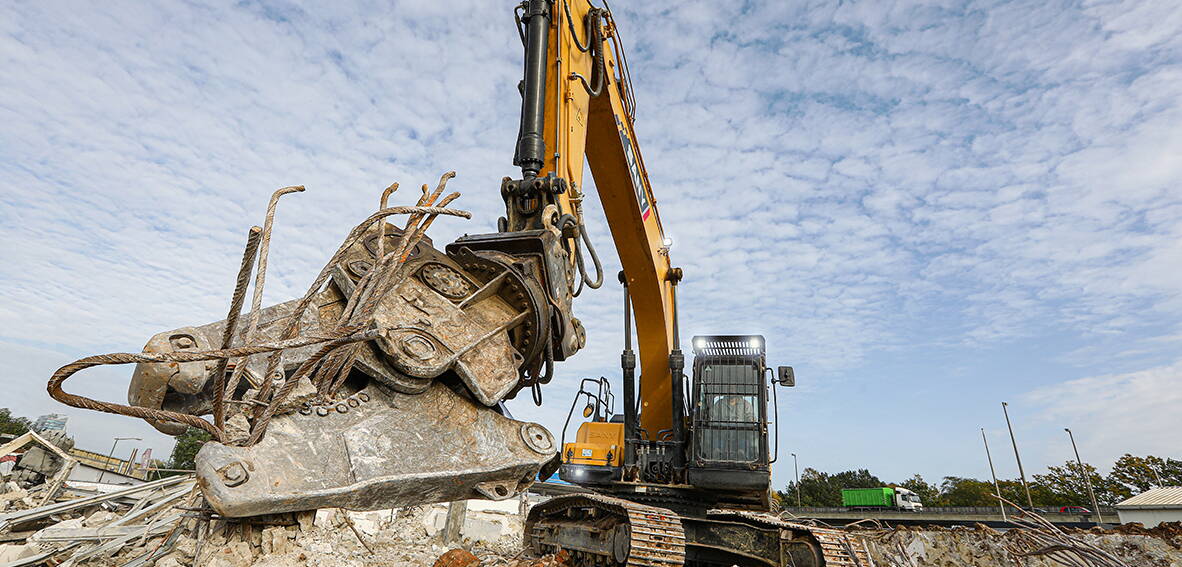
[{"x": 907, "y": 500}]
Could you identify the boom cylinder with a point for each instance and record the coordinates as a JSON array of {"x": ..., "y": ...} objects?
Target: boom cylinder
[
  {"x": 628, "y": 365},
  {"x": 676, "y": 369},
  {"x": 531, "y": 146}
]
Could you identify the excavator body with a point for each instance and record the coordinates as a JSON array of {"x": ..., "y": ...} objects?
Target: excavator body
[{"x": 726, "y": 451}]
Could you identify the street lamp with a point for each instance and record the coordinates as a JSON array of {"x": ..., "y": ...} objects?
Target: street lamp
[
  {"x": 796, "y": 469},
  {"x": 1001, "y": 504},
  {"x": 1087, "y": 477},
  {"x": 111, "y": 455},
  {"x": 1021, "y": 473}
]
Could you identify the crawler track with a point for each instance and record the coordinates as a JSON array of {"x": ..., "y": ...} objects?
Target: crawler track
[
  {"x": 600, "y": 530},
  {"x": 839, "y": 548}
]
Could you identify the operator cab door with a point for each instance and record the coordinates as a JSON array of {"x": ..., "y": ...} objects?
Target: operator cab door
[{"x": 728, "y": 447}]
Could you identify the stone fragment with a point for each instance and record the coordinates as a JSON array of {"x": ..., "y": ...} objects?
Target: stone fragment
[
  {"x": 169, "y": 561},
  {"x": 275, "y": 540},
  {"x": 457, "y": 558},
  {"x": 186, "y": 547},
  {"x": 303, "y": 392},
  {"x": 306, "y": 520},
  {"x": 237, "y": 428},
  {"x": 99, "y": 518}
]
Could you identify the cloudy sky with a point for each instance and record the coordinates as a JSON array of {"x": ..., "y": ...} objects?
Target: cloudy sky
[{"x": 926, "y": 207}]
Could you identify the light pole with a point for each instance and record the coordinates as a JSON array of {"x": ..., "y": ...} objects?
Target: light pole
[
  {"x": 996, "y": 486},
  {"x": 1021, "y": 473},
  {"x": 796, "y": 469},
  {"x": 1087, "y": 477},
  {"x": 111, "y": 455}
]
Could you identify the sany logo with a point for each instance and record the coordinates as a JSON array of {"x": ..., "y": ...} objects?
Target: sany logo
[{"x": 634, "y": 171}]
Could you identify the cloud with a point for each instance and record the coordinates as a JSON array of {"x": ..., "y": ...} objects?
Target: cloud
[{"x": 1133, "y": 412}]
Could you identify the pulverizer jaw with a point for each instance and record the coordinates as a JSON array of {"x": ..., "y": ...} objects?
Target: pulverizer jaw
[{"x": 391, "y": 450}]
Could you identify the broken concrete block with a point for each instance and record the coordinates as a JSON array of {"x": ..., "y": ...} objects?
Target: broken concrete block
[
  {"x": 303, "y": 392},
  {"x": 13, "y": 552},
  {"x": 275, "y": 540},
  {"x": 306, "y": 520},
  {"x": 99, "y": 518},
  {"x": 186, "y": 547},
  {"x": 15, "y": 494},
  {"x": 237, "y": 428},
  {"x": 169, "y": 561}
]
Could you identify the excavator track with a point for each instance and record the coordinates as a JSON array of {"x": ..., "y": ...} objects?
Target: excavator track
[
  {"x": 600, "y": 530},
  {"x": 839, "y": 548}
]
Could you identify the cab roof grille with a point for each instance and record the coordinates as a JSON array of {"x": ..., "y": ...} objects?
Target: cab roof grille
[{"x": 729, "y": 345}]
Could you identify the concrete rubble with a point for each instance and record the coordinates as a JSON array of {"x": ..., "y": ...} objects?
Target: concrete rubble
[
  {"x": 39, "y": 463},
  {"x": 941, "y": 547},
  {"x": 164, "y": 523}
]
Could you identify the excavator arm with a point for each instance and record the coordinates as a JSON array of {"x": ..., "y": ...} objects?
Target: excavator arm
[
  {"x": 589, "y": 118},
  {"x": 382, "y": 385}
]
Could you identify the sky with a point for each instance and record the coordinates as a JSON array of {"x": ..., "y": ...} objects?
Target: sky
[{"x": 927, "y": 208}]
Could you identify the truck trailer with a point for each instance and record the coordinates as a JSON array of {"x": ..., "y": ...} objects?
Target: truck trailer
[{"x": 881, "y": 498}]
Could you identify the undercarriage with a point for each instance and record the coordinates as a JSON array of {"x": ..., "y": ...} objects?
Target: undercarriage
[{"x": 599, "y": 530}]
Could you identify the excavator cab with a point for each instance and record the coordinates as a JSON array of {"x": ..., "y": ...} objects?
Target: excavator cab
[
  {"x": 728, "y": 434},
  {"x": 725, "y": 450}
]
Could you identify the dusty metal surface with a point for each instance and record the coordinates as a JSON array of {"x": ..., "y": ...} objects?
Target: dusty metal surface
[
  {"x": 377, "y": 387},
  {"x": 472, "y": 321},
  {"x": 391, "y": 450}
]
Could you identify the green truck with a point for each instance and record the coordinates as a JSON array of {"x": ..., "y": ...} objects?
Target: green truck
[{"x": 881, "y": 498}]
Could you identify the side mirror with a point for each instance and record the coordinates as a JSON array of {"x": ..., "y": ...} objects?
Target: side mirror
[{"x": 786, "y": 377}]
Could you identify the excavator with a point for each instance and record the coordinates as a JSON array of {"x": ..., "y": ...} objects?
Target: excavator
[{"x": 384, "y": 385}]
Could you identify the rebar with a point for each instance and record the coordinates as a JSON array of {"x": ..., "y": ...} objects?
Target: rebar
[{"x": 329, "y": 362}]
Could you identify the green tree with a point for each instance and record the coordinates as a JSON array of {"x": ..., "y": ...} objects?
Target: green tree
[
  {"x": 1138, "y": 474},
  {"x": 1069, "y": 487},
  {"x": 928, "y": 493},
  {"x": 1040, "y": 494},
  {"x": 962, "y": 491},
  {"x": 184, "y": 452},
  {"x": 823, "y": 489},
  {"x": 13, "y": 424}
]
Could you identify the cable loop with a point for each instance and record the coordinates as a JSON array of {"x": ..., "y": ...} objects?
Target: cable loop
[{"x": 338, "y": 343}]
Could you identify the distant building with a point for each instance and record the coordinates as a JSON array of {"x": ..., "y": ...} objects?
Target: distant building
[
  {"x": 50, "y": 422},
  {"x": 1152, "y": 507}
]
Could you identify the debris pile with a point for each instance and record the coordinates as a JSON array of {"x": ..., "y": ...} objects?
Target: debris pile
[
  {"x": 931, "y": 546},
  {"x": 133, "y": 522},
  {"x": 39, "y": 473},
  {"x": 40, "y": 463},
  {"x": 165, "y": 523}
]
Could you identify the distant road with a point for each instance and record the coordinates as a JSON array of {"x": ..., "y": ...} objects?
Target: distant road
[
  {"x": 964, "y": 516},
  {"x": 942, "y": 516}
]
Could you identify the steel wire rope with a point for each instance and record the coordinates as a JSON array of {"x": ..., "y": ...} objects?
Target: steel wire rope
[{"x": 344, "y": 335}]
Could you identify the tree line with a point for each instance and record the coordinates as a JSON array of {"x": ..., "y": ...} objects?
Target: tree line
[{"x": 1061, "y": 485}]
